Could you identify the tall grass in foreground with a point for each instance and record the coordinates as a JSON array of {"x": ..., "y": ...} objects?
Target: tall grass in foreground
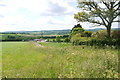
[{"x": 24, "y": 60}]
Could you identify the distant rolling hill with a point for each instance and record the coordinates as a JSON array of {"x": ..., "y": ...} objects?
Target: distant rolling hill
[
  {"x": 52, "y": 32},
  {"x": 43, "y": 32},
  {"x": 97, "y": 29}
]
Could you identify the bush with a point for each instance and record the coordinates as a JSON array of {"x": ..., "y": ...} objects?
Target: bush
[
  {"x": 58, "y": 39},
  {"x": 115, "y": 34},
  {"x": 100, "y": 34},
  {"x": 78, "y": 40},
  {"x": 66, "y": 40},
  {"x": 98, "y": 38},
  {"x": 77, "y": 30},
  {"x": 75, "y": 38},
  {"x": 86, "y": 34}
]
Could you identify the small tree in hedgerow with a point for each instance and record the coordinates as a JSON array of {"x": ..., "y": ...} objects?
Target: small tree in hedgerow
[
  {"x": 76, "y": 29},
  {"x": 101, "y": 13},
  {"x": 75, "y": 33}
]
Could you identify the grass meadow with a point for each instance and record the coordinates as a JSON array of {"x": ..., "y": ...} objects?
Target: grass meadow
[{"x": 57, "y": 60}]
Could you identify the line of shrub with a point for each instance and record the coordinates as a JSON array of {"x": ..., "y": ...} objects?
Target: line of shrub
[{"x": 97, "y": 39}]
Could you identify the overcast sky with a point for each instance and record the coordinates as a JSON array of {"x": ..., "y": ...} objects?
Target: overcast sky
[{"x": 29, "y": 15}]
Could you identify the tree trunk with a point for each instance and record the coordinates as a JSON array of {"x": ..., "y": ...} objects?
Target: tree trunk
[{"x": 108, "y": 31}]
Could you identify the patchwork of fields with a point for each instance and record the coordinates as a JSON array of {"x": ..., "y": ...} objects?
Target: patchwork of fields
[{"x": 57, "y": 60}]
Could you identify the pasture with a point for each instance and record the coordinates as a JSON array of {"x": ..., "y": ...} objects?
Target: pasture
[{"x": 57, "y": 60}]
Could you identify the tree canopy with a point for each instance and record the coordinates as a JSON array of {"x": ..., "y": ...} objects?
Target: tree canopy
[
  {"x": 77, "y": 26},
  {"x": 101, "y": 13}
]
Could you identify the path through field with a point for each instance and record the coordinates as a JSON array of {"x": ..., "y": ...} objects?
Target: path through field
[
  {"x": 37, "y": 44},
  {"x": 57, "y": 60}
]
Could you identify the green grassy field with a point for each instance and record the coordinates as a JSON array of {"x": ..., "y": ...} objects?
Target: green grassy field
[
  {"x": 57, "y": 60},
  {"x": 53, "y": 44}
]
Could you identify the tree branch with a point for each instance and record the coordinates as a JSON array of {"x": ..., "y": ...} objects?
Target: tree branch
[
  {"x": 107, "y": 5},
  {"x": 100, "y": 14},
  {"x": 117, "y": 4},
  {"x": 117, "y": 21},
  {"x": 117, "y": 14},
  {"x": 93, "y": 21},
  {"x": 118, "y": 8}
]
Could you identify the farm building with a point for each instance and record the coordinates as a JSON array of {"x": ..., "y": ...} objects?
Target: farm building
[{"x": 40, "y": 40}]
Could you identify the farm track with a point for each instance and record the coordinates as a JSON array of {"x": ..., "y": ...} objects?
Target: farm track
[{"x": 37, "y": 44}]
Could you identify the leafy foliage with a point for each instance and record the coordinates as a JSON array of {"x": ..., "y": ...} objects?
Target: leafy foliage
[
  {"x": 86, "y": 34},
  {"x": 58, "y": 39},
  {"x": 116, "y": 34},
  {"x": 100, "y": 34},
  {"x": 77, "y": 26},
  {"x": 77, "y": 30},
  {"x": 93, "y": 12}
]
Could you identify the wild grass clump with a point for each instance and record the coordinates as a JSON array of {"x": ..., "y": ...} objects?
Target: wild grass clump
[{"x": 58, "y": 60}]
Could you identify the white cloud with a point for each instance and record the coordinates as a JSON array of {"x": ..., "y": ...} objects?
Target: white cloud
[
  {"x": 36, "y": 14},
  {"x": 18, "y": 15}
]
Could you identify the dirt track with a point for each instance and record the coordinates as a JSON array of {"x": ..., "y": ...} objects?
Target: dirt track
[{"x": 37, "y": 44}]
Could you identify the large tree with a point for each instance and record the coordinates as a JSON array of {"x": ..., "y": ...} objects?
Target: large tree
[{"x": 100, "y": 13}]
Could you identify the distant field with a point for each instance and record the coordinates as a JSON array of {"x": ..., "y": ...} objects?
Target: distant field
[
  {"x": 31, "y": 35},
  {"x": 57, "y": 60}
]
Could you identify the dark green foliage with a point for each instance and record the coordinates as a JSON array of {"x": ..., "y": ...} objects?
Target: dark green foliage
[
  {"x": 11, "y": 37},
  {"x": 65, "y": 36},
  {"x": 58, "y": 39},
  {"x": 86, "y": 34},
  {"x": 77, "y": 26},
  {"x": 98, "y": 38},
  {"x": 100, "y": 34},
  {"x": 53, "y": 40},
  {"x": 77, "y": 30},
  {"x": 116, "y": 34},
  {"x": 66, "y": 40},
  {"x": 77, "y": 34},
  {"x": 23, "y": 37}
]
